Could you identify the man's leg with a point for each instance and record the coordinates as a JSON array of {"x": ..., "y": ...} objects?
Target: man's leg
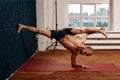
[
  {"x": 90, "y": 31},
  {"x": 101, "y": 30},
  {"x": 47, "y": 33}
]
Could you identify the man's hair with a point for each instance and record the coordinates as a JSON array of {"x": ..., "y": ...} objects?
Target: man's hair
[
  {"x": 87, "y": 51},
  {"x": 89, "y": 48}
]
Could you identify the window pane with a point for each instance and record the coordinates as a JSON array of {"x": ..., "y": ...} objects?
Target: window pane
[
  {"x": 102, "y": 9},
  {"x": 88, "y": 22},
  {"x": 102, "y": 22},
  {"x": 74, "y": 9},
  {"x": 74, "y": 22},
  {"x": 88, "y": 10}
]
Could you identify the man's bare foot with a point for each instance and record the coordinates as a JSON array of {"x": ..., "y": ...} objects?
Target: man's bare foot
[
  {"x": 20, "y": 27},
  {"x": 102, "y": 30}
]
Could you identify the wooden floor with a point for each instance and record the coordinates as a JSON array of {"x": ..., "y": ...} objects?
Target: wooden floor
[{"x": 99, "y": 56}]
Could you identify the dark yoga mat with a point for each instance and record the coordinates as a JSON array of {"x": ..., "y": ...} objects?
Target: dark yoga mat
[{"x": 99, "y": 67}]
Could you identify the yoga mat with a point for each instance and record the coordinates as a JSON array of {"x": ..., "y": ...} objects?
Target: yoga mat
[{"x": 38, "y": 66}]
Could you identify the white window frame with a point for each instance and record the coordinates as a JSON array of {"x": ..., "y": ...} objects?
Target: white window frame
[{"x": 94, "y": 2}]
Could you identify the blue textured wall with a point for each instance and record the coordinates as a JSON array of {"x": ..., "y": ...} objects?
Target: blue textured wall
[{"x": 15, "y": 48}]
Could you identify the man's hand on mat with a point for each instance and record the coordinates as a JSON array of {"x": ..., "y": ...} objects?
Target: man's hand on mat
[
  {"x": 81, "y": 66},
  {"x": 85, "y": 67}
]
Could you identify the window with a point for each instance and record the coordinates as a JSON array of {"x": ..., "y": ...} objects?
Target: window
[{"x": 89, "y": 15}]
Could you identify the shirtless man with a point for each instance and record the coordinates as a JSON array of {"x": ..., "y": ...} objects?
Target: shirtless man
[{"x": 66, "y": 37}]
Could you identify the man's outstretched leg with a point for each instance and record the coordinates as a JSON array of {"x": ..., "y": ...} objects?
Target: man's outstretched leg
[
  {"x": 101, "y": 30},
  {"x": 90, "y": 31},
  {"x": 47, "y": 33},
  {"x": 26, "y": 27}
]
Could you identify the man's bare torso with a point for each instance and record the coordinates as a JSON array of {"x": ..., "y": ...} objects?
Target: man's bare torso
[{"x": 71, "y": 42}]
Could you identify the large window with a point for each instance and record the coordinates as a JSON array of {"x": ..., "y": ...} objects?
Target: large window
[{"x": 89, "y": 15}]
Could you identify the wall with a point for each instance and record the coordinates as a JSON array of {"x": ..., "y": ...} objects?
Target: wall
[
  {"x": 46, "y": 17},
  {"x": 116, "y": 15},
  {"x": 41, "y": 21}
]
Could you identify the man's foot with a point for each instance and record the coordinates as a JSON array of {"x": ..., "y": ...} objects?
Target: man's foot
[
  {"x": 20, "y": 27},
  {"x": 102, "y": 30}
]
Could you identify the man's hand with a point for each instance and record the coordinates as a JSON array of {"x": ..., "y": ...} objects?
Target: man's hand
[
  {"x": 73, "y": 61},
  {"x": 81, "y": 66}
]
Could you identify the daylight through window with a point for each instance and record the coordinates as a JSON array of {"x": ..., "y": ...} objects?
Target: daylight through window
[{"x": 89, "y": 15}]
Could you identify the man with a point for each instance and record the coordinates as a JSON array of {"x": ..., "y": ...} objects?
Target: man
[{"x": 66, "y": 37}]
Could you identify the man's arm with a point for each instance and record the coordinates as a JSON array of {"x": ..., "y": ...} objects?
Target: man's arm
[
  {"x": 74, "y": 64},
  {"x": 73, "y": 59}
]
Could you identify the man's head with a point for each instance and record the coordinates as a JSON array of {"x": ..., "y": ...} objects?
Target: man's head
[{"x": 86, "y": 51}]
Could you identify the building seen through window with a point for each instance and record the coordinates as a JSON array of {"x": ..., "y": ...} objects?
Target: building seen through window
[{"x": 88, "y": 15}]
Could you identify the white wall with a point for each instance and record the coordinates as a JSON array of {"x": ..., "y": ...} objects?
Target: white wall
[
  {"x": 116, "y": 15},
  {"x": 46, "y": 17},
  {"x": 41, "y": 22}
]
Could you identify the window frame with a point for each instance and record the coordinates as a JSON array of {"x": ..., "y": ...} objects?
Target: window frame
[{"x": 94, "y": 17}]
